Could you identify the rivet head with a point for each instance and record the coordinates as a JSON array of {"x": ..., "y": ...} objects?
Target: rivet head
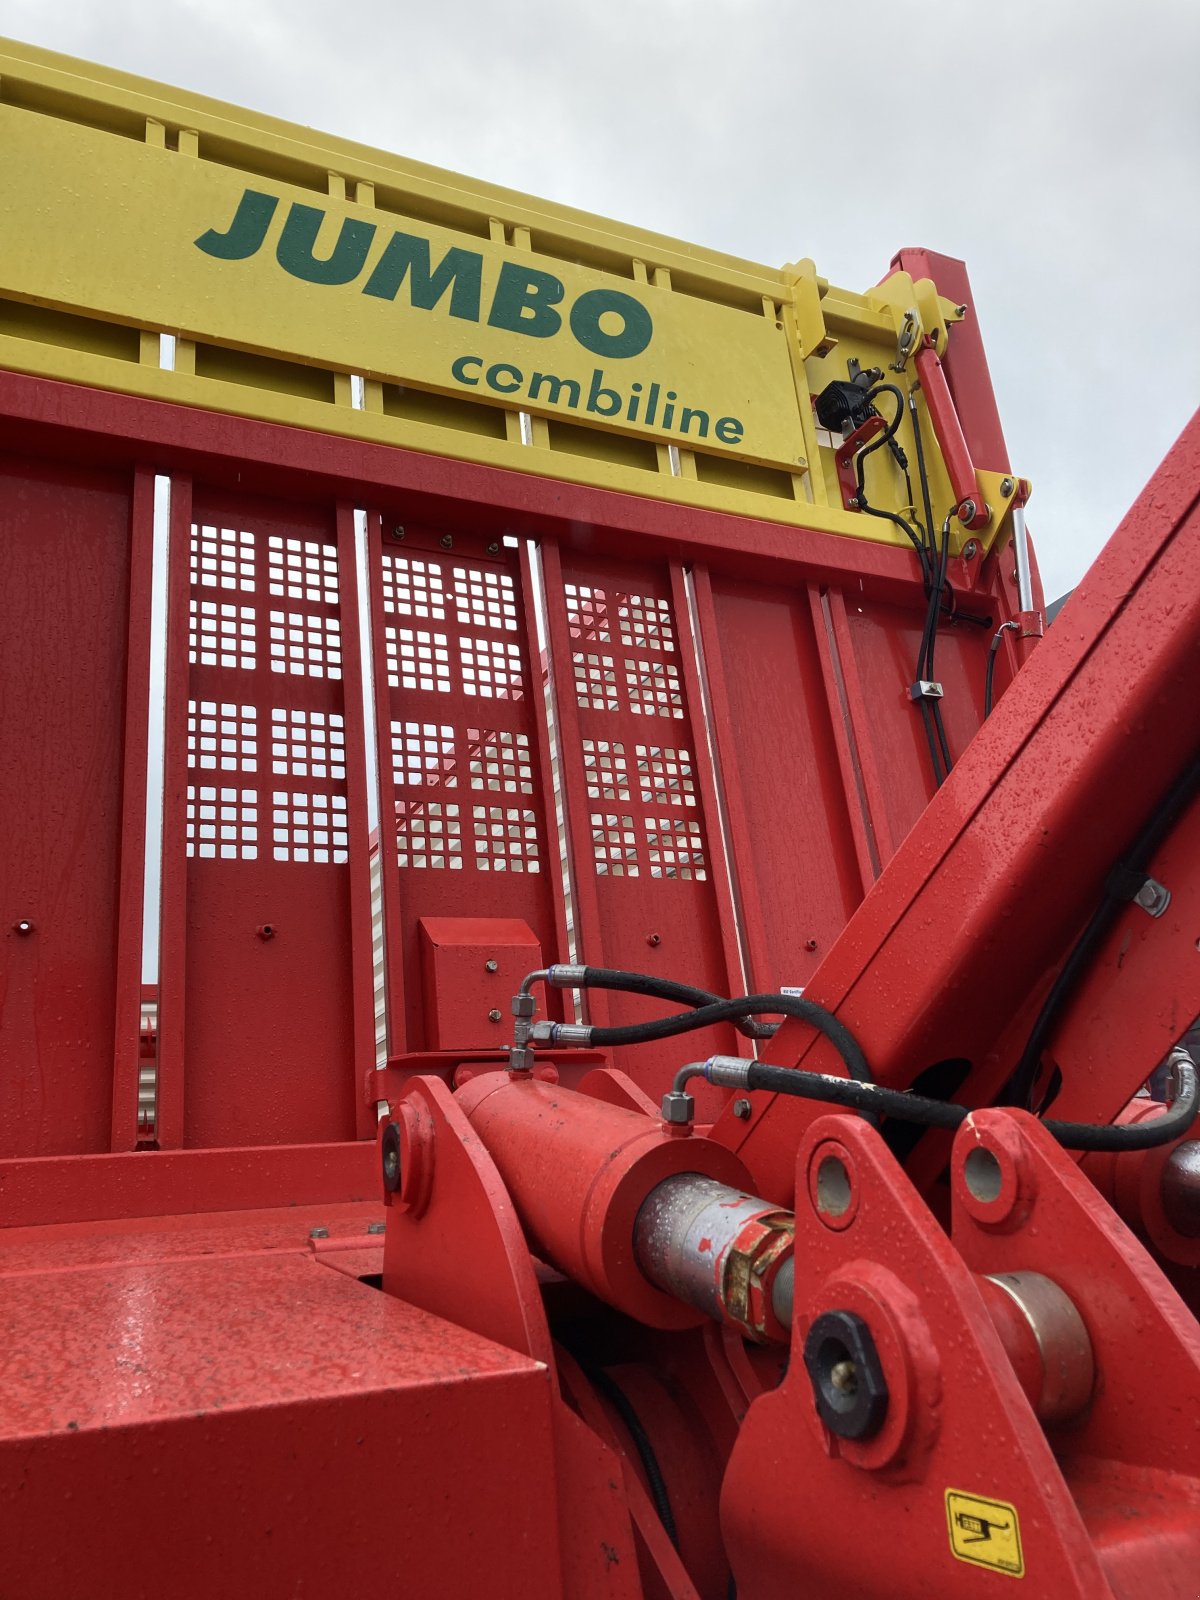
[
  {"x": 493, "y": 549},
  {"x": 491, "y": 966},
  {"x": 447, "y": 541},
  {"x": 397, "y": 533},
  {"x": 318, "y": 1233},
  {"x": 24, "y": 928},
  {"x": 495, "y": 1015}
]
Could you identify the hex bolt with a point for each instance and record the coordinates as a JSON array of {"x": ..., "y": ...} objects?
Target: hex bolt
[
  {"x": 376, "y": 1227},
  {"x": 447, "y": 541},
  {"x": 966, "y": 511},
  {"x": 495, "y": 1015},
  {"x": 961, "y": 311},
  {"x": 742, "y": 1109},
  {"x": 493, "y": 549},
  {"x": 24, "y": 927},
  {"x": 491, "y": 966},
  {"x": 397, "y": 532},
  {"x": 843, "y": 1375},
  {"x": 318, "y": 1233},
  {"x": 1007, "y": 485},
  {"x": 970, "y": 550}
]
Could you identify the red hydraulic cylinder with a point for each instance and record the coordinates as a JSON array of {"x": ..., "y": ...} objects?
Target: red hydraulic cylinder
[
  {"x": 578, "y": 1170},
  {"x": 948, "y": 429}
]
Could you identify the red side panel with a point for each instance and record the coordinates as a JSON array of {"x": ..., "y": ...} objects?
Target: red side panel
[
  {"x": 258, "y": 1028},
  {"x": 68, "y": 766}
]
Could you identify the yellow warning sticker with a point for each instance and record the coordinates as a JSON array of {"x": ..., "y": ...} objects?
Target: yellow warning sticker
[{"x": 985, "y": 1532}]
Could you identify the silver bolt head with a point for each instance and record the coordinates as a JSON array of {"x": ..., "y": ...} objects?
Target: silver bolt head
[
  {"x": 742, "y": 1109},
  {"x": 495, "y": 1014},
  {"x": 1007, "y": 485},
  {"x": 491, "y": 966},
  {"x": 318, "y": 1233}
]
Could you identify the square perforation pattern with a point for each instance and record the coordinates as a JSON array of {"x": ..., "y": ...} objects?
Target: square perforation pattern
[
  {"x": 499, "y": 760},
  {"x": 587, "y": 614},
  {"x": 307, "y": 744},
  {"x": 222, "y": 823},
  {"x": 665, "y": 776},
  {"x": 412, "y": 587},
  {"x": 595, "y": 681},
  {"x": 423, "y": 755},
  {"x": 222, "y": 736},
  {"x": 505, "y": 839},
  {"x": 645, "y": 623},
  {"x": 309, "y": 827},
  {"x": 654, "y": 689},
  {"x": 221, "y": 635},
  {"x": 306, "y": 645},
  {"x": 673, "y": 848},
  {"x": 614, "y": 845},
  {"x": 302, "y": 569},
  {"x": 605, "y": 771},
  {"x": 491, "y": 668},
  {"x": 428, "y": 835},
  {"x": 417, "y": 659},
  {"x": 485, "y": 599},
  {"x": 222, "y": 558}
]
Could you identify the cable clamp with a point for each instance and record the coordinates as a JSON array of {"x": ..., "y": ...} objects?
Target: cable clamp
[
  {"x": 1133, "y": 885},
  {"x": 926, "y": 689}
]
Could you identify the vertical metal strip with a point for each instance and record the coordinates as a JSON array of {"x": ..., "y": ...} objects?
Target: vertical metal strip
[
  {"x": 575, "y": 800},
  {"x": 708, "y": 779},
  {"x": 127, "y": 1010},
  {"x": 858, "y": 809},
  {"x": 532, "y": 595},
  {"x": 362, "y": 1057},
  {"x": 172, "y": 965},
  {"x": 860, "y": 724},
  {"x": 389, "y": 878},
  {"x": 759, "y": 971}
]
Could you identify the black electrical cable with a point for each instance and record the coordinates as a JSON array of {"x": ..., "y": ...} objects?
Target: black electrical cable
[
  {"x": 908, "y": 1107},
  {"x": 623, "y": 1406},
  {"x": 787, "y": 1005},
  {"x": 1120, "y": 886},
  {"x": 990, "y": 674},
  {"x": 935, "y": 728},
  {"x": 684, "y": 994}
]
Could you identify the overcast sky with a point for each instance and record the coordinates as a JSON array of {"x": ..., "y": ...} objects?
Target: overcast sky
[{"x": 1054, "y": 146}]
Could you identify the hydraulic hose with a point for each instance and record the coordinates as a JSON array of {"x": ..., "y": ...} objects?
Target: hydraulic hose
[
  {"x": 684, "y": 994},
  {"x": 733, "y": 1072}
]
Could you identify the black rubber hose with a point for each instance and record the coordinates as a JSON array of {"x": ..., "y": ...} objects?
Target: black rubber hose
[
  {"x": 623, "y": 1406},
  {"x": 785, "y": 1005},
  {"x": 1018, "y": 1090},
  {"x": 941, "y": 1114},
  {"x": 684, "y": 994}
]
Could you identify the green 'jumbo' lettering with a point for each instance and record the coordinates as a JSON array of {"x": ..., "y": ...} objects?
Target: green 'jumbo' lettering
[
  {"x": 524, "y": 301},
  {"x": 294, "y": 252},
  {"x": 407, "y": 255},
  {"x": 245, "y": 233}
]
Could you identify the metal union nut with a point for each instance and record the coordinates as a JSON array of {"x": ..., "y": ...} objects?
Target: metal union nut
[
  {"x": 846, "y": 1374},
  {"x": 523, "y": 1005},
  {"x": 677, "y": 1107}
]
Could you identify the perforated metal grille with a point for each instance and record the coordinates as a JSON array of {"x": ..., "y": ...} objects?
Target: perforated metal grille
[
  {"x": 302, "y": 569},
  {"x": 428, "y": 835},
  {"x": 412, "y": 587},
  {"x": 417, "y": 659},
  {"x": 587, "y": 614},
  {"x": 505, "y": 839},
  {"x": 614, "y": 845},
  {"x": 673, "y": 848},
  {"x": 222, "y": 823},
  {"x": 485, "y": 599},
  {"x": 306, "y": 645},
  {"x": 665, "y": 776},
  {"x": 491, "y": 669},
  {"x": 423, "y": 755},
  {"x": 221, "y": 635},
  {"x": 222, "y": 558},
  {"x": 653, "y": 688},
  {"x": 308, "y": 744},
  {"x": 595, "y": 681},
  {"x": 222, "y": 736},
  {"x": 605, "y": 770},
  {"x": 645, "y": 623},
  {"x": 309, "y": 827},
  {"x": 499, "y": 760}
]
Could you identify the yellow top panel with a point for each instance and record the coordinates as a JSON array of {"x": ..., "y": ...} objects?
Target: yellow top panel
[{"x": 485, "y": 324}]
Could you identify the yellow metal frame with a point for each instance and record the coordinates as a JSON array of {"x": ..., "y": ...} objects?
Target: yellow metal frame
[{"x": 109, "y": 181}]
